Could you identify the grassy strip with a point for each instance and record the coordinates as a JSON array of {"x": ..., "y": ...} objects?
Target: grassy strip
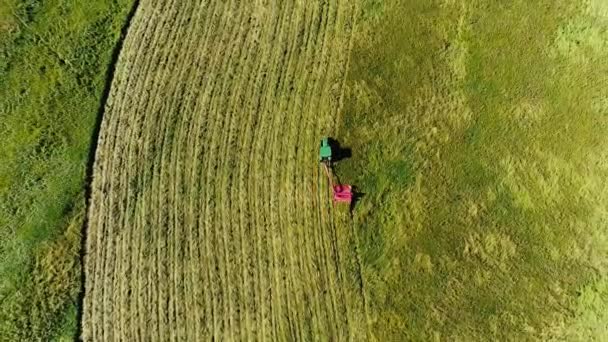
[
  {"x": 478, "y": 130},
  {"x": 55, "y": 57}
]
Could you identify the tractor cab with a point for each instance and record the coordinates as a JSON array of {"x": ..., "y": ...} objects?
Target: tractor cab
[{"x": 325, "y": 151}]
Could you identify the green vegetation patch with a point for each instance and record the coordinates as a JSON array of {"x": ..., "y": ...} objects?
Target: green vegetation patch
[
  {"x": 478, "y": 131},
  {"x": 54, "y": 62}
]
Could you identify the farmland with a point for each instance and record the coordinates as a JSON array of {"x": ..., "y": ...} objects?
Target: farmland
[
  {"x": 210, "y": 218},
  {"x": 478, "y": 132},
  {"x": 209, "y": 214}
]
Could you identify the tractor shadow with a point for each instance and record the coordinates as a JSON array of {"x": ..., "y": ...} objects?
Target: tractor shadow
[
  {"x": 339, "y": 152},
  {"x": 357, "y": 196}
]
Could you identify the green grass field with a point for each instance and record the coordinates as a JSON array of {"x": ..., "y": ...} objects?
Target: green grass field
[
  {"x": 54, "y": 60},
  {"x": 479, "y": 133}
]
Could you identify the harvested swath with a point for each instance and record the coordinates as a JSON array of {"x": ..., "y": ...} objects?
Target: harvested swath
[{"x": 209, "y": 217}]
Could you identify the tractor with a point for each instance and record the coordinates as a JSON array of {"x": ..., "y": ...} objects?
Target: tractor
[{"x": 341, "y": 192}]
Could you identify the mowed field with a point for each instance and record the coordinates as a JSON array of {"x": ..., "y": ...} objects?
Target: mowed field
[
  {"x": 209, "y": 216},
  {"x": 478, "y": 134}
]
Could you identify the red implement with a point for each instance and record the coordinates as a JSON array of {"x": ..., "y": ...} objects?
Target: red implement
[{"x": 343, "y": 193}]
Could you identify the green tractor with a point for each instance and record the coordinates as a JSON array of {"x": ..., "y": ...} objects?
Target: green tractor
[{"x": 325, "y": 152}]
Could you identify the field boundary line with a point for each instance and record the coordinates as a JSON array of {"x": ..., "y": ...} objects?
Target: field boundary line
[{"x": 87, "y": 241}]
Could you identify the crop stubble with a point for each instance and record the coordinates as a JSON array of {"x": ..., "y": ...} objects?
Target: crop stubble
[{"x": 206, "y": 216}]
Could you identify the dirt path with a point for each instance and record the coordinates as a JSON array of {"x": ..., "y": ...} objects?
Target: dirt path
[{"x": 206, "y": 217}]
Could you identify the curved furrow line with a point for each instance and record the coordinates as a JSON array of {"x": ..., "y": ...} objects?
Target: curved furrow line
[
  {"x": 258, "y": 219},
  {"x": 156, "y": 279},
  {"x": 225, "y": 148},
  {"x": 239, "y": 191},
  {"x": 98, "y": 210},
  {"x": 198, "y": 153},
  {"x": 155, "y": 214},
  {"x": 143, "y": 289},
  {"x": 128, "y": 197},
  {"x": 204, "y": 218},
  {"x": 121, "y": 265},
  {"x": 330, "y": 242},
  {"x": 223, "y": 223},
  {"x": 326, "y": 296},
  {"x": 168, "y": 179},
  {"x": 115, "y": 211},
  {"x": 310, "y": 278},
  {"x": 114, "y": 294},
  {"x": 219, "y": 225},
  {"x": 206, "y": 170},
  {"x": 191, "y": 155},
  {"x": 111, "y": 200},
  {"x": 299, "y": 276},
  {"x": 181, "y": 72},
  {"x": 273, "y": 113},
  {"x": 210, "y": 215},
  {"x": 226, "y": 167},
  {"x": 148, "y": 279},
  {"x": 278, "y": 163},
  {"x": 174, "y": 193},
  {"x": 192, "y": 263}
]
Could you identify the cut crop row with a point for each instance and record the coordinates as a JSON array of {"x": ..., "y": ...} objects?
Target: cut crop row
[{"x": 209, "y": 217}]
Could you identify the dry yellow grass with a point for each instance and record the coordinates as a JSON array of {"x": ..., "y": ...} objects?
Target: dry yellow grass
[{"x": 209, "y": 217}]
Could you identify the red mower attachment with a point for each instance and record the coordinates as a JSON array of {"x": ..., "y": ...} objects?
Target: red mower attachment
[{"x": 343, "y": 193}]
